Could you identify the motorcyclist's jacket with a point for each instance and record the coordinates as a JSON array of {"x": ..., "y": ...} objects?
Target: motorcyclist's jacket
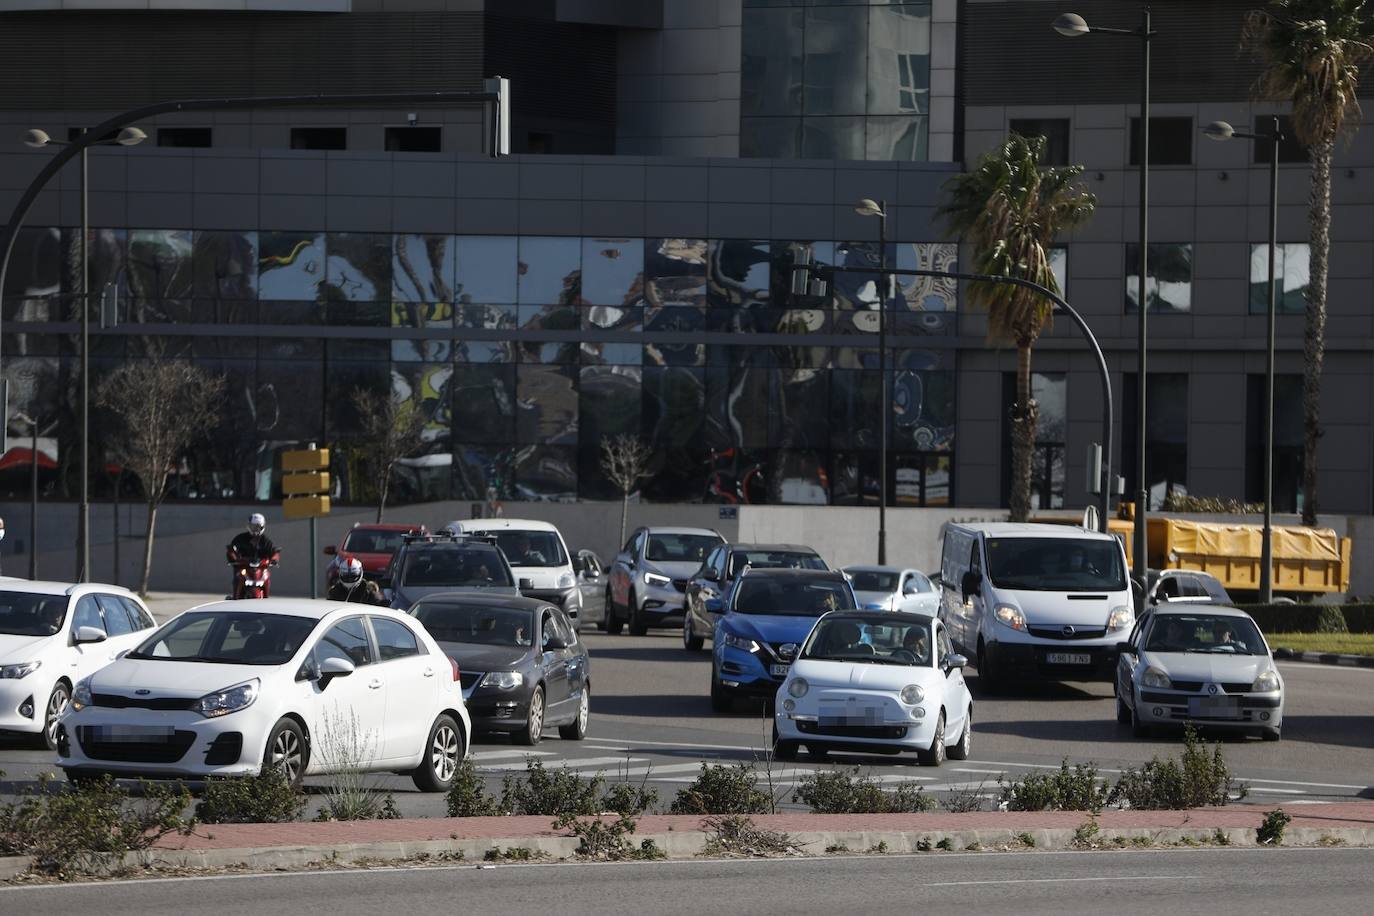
[
  {"x": 364, "y": 592},
  {"x": 247, "y": 546}
]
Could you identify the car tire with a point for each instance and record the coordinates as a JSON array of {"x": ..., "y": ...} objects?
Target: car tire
[
  {"x": 1123, "y": 712},
  {"x": 533, "y": 731},
  {"x": 1138, "y": 728},
  {"x": 818, "y": 751},
  {"x": 690, "y": 641},
  {"x": 287, "y": 750},
  {"x": 934, "y": 755},
  {"x": 613, "y": 620},
  {"x": 576, "y": 730},
  {"x": 784, "y": 750},
  {"x": 443, "y": 752},
  {"x": 721, "y": 700},
  {"x": 638, "y": 626},
  {"x": 964, "y": 748},
  {"x": 1271, "y": 734},
  {"x": 58, "y": 701}
]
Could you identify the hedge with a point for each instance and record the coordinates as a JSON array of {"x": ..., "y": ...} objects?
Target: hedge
[{"x": 1307, "y": 618}]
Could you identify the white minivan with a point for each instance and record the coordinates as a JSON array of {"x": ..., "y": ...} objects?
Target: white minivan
[
  {"x": 538, "y": 555},
  {"x": 1035, "y": 601}
]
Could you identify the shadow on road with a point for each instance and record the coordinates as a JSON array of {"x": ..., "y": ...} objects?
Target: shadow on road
[
  {"x": 670, "y": 653},
  {"x": 1346, "y": 731},
  {"x": 1034, "y": 690},
  {"x": 662, "y": 706}
]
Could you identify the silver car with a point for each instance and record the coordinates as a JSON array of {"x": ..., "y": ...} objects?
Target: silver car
[
  {"x": 1205, "y": 665},
  {"x": 891, "y": 588},
  {"x": 647, "y": 582}
]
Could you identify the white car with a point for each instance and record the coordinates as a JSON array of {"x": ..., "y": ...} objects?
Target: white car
[
  {"x": 53, "y": 634},
  {"x": 1202, "y": 664},
  {"x": 538, "y": 555},
  {"x": 876, "y": 681},
  {"x": 234, "y": 688},
  {"x": 891, "y": 588}
]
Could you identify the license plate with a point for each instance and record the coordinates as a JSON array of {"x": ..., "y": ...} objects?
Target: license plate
[
  {"x": 835, "y": 713},
  {"x": 1068, "y": 658},
  {"x": 133, "y": 732},
  {"x": 1214, "y": 706},
  {"x": 779, "y": 670}
]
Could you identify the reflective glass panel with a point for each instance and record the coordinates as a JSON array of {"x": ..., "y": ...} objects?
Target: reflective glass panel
[
  {"x": 1168, "y": 280},
  {"x": 612, "y": 272},
  {"x": 487, "y": 269},
  {"x": 546, "y": 404},
  {"x": 675, "y": 272},
  {"x": 771, "y": 62},
  {"x": 225, "y": 265},
  {"x": 358, "y": 267},
  {"x": 835, "y": 76},
  {"x": 484, "y": 403},
  {"x": 550, "y": 271},
  {"x": 1290, "y": 296},
  {"x": 423, "y": 268},
  {"x": 546, "y": 472},
  {"x": 290, "y": 265},
  {"x": 899, "y": 59},
  {"x": 739, "y": 273}
]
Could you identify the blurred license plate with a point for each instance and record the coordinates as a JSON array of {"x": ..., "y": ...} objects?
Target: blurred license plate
[
  {"x": 133, "y": 732},
  {"x": 1068, "y": 658},
  {"x": 778, "y": 670},
  {"x": 1214, "y": 706}
]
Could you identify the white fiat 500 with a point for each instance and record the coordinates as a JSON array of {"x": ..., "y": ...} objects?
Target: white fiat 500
[
  {"x": 876, "y": 682},
  {"x": 306, "y": 686}
]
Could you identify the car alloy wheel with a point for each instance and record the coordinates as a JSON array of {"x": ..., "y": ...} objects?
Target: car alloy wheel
[
  {"x": 614, "y": 623},
  {"x": 935, "y": 754},
  {"x": 964, "y": 748},
  {"x": 443, "y": 752},
  {"x": 576, "y": 730},
  {"x": 690, "y": 641},
  {"x": 57, "y": 704},
  {"x": 286, "y": 751},
  {"x": 638, "y": 626},
  {"x": 534, "y": 720}
]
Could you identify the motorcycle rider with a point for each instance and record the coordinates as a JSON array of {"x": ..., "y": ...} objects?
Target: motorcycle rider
[
  {"x": 253, "y": 544},
  {"x": 351, "y": 586}
]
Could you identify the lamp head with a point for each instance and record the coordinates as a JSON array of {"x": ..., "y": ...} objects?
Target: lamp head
[
  {"x": 1071, "y": 25},
  {"x": 131, "y": 136},
  {"x": 1219, "y": 130},
  {"x": 868, "y": 207},
  {"x": 36, "y": 138}
]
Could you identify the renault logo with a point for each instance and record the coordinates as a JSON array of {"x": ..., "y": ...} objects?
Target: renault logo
[{"x": 1067, "y": 631}]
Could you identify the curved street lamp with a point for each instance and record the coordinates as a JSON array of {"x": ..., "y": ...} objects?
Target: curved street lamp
[{"x": 869, "y": 207}]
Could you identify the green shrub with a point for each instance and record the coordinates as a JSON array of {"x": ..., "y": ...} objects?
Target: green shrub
[
  {"x": 607, "y": 840},
  {"x": 269, "y": 798},
  {"x": 1197, "y": 779},
  {"x": 550, "y": 792},
  {"x": 625, "y": 798},
  {"x": 1331, "y": 619},
  {"x": 1067, "y": 789},
  {"x": 851, "y": 792},
  {"x": 87, "y": 829},
  {"x": 1270, "y": 831},
  {"x": 1359, "y": 618},
  {"x": 467, "y": 795},
  {"x": 720, "y": 789},
  {"x": 738, "y": 835},
  {"x": 1284, "y": 618}
]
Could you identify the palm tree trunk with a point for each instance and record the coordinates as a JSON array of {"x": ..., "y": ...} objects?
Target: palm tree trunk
[
  {"x": 148, "y": 550},
  {"x": 1024, "y": 416},
  {"x": 1314, "y": 333}
]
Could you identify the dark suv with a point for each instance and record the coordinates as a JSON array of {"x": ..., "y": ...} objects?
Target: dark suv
[
  {"x": 709, "y": 589},
  {"x": 428, "y": 564}
]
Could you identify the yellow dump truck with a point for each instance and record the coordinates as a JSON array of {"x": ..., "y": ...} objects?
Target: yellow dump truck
[{"x": 1307, "y": 561}]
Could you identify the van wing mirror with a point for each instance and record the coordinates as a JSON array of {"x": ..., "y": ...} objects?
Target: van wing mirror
[{"x": 971, "y": 584}]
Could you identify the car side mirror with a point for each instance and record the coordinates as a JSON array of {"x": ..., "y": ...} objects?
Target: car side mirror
[
  {"x": 1125, "y": 648},
  {"x": 89, "y": 634},
  {"x": 525, "y": 584},
  {"x": 334, "y": 667},
  {"x": 578, "y": 565},
  {"x": 553, "y": 644},
  {"x": 711, "y": 574},
  {"x": 330, "y": 550},
  {"x": 972, "y": 584},
  {"x": 954, "y": 660}
]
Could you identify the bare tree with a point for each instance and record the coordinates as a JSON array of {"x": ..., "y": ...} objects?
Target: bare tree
[
  {"x": 390, "y": 430},
  {"x": 625, "y": 460},
  {"x": 162, "y": 407}
]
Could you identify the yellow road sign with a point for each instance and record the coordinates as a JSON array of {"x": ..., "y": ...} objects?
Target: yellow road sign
[
  {"x": 306, "y": 459},
  {"x": 314, "y": 483},
  {"x": 305, "y": 506}
]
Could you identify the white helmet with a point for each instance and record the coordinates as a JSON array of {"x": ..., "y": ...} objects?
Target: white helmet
[
  {"x": 257, "y": 523},
  {"x": 351, "y": 572}
]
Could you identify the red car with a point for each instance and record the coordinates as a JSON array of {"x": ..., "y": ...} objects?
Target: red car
[{"x": 373, "y": 545}]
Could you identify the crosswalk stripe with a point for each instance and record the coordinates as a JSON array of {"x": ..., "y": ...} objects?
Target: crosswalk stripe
[
  {"x": 497, "y": 755},
  {"x": 600, "y": 763}
]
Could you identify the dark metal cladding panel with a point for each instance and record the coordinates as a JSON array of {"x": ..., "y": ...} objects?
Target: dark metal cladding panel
[{"x": 556, "y": 69}]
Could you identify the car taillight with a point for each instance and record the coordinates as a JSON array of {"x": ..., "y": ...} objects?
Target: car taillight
[{"x": 454, "y": 662}]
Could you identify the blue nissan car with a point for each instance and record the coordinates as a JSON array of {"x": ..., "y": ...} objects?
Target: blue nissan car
[{"x": 770, "y": 614}]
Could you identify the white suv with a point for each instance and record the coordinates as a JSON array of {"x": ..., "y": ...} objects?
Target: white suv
[
  {"x": 538, "y": 556},
  {"x": 53, "y": 634}
]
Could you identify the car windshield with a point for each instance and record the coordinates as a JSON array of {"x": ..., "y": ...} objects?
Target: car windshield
[
  {"x": 870, "y": 641},
  {"x": 529, "y": 548},
  {"x": 454, "y": 565},
  {"x": 473, "y": 623},
  {"x": 228, "y": 638},
  {"x": 774, "y": 559},
  {"x": 1056, "y": 564},
  {"x": 680, "y": 548},
  {"x": 1220, "y": 634},
  {"x": 866, "y": 580},
  {"x": 361, "y": 540},
  {"x": 793, "y": 597},
  {"x": 28, "y": 614}
]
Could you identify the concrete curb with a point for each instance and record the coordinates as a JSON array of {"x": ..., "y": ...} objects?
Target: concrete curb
[{"x": 1325, "y": 658}]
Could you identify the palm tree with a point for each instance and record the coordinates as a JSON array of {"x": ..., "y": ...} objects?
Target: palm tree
[
  {"x": 1009, "y": 210},
  {"x": 1312, "y": 51}
]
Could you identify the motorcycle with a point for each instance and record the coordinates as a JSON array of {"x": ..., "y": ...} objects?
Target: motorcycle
[{"x": 253, "y": 577}]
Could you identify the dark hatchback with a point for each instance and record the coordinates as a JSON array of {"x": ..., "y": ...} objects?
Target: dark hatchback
[{"x": 521, "y": 664}]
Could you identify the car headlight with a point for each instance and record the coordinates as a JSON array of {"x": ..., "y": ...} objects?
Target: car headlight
[
  {"x": 738, "y": 642},
  {"x": 1154, "y": 677},
  {"x": 1267, "y": 682},
  {"x": 567, "y": 580},
  {"x": 912, "y": 694},
  {"x": 1120, "y": 618},
  {"x": 81, "y": 695},
  {"x": 230, "y": 699},
  {"x": 798, "y": 687},
  {"x": 656, "y": 579},
  {"x": 1010, "y": 616},
  {"x": 20, "y": 670},
  {"x": 503, "y": 680}
]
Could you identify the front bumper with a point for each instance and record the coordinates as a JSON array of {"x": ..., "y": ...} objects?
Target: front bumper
[
  {"x": 1052, "y": 660},
  {"x": 23, "y": 692},
  {"x": 848, "y": 718},
  {"x": 661, "y": 605},
  {"x": 1246, "y": 711},
  {"x": 158, "y": 744},
  {"x": 748, "y": 673}
]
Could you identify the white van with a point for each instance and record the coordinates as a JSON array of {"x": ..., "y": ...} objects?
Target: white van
[
  {"x": 1035, "y": 601},
  {"x": 538, "y": 556}
]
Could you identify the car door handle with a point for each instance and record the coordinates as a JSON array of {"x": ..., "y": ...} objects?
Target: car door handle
[
  {"x": 429, "y": 672},
  {"x": 375, "y": 683}
]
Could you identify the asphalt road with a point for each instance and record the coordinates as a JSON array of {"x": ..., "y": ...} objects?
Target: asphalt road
[
  {"x": 651, "y": 719},
  {"x": 1217, "y": 882}
]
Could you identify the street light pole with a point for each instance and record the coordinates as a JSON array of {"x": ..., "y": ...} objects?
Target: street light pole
[
  {"x": 1071, "y": 25},
  {"x": 1220, "y": 130},
  {"x": 867, "y": 207}
]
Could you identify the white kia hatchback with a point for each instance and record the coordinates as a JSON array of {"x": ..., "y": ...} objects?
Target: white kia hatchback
[
  {"x": 53, "y": 634},
  {"x": 311, "y": 687}
]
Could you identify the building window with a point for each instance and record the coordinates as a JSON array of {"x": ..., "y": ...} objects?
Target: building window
[
  {"x": 183, "y": 136},
  {"x": 1059, "y": 266},
  {"x": 1171, "y": 141},
  {"x": 1168, "y": 277},
  {"x": 1049, "y": 389},
  {"x": 1288, "y": 441},
  {"x": 413, "y": 140},
  {"x": 1054, "y": 130},
  {"x": 1291, "y": 149},
  {"x": 319, "y": 138},
  {"x": 1291, "y": 296},
  {"x": 1166, "y": 436}
]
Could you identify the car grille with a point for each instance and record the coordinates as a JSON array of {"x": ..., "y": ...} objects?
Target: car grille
[
  {"x": 852, "y": 731},
  {"x": 115, "y": 701},
  {"x": 1058, "y": 632},
  {"x": 1195, "y": 686},
  {"x": 151, "y": 749},
  {"x": 469, "y": 679},
  {"x": 681, "y": 584}
]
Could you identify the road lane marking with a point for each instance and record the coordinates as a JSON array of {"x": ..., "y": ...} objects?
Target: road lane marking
[
  {"x": 1290, "y": 782},
  {"x": 1060, "y": 880},
  {"x": 479, "y": 756},
  {"x": 571, "y": 763},
  {"x": 1261, "y": 790}
]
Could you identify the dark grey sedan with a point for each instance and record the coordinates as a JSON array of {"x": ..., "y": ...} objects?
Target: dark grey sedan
[{"x": 521, "y": 664}]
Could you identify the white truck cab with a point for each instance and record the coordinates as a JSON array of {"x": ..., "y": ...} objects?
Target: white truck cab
[{"x": 1035, "y": 602}]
